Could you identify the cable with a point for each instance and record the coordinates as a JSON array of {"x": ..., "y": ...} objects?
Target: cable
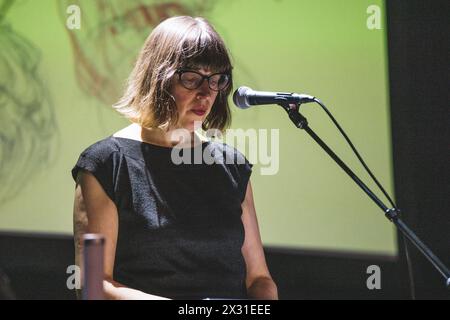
[
  {"x": 408, "y": 260},
  {"x": 412, "y": 285},
  {"x": 355, "y": 151}
]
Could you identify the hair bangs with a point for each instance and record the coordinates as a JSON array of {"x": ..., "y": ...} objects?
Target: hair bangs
[{"x": 204, "y": 49}]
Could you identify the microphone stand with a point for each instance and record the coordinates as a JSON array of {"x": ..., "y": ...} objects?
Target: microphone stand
[{"x": 391, "y": 213}]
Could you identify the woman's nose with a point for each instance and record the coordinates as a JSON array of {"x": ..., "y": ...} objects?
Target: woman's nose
[{"x": 204, "y": 90}]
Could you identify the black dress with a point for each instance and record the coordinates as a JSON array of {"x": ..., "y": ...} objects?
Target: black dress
[{"x": 180, "y": 229}]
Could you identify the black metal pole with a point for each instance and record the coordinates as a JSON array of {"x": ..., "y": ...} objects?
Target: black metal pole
[{"x": 391, "y": 213}]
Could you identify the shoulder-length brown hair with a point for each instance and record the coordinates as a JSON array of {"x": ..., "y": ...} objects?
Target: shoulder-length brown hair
[{"x": 178, "y": 42}]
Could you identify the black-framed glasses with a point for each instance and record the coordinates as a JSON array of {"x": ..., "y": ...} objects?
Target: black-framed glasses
[{"x": 192, "y": 80}]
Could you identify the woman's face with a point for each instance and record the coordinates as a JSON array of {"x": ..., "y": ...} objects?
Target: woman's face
[{"x": 193, "y": 104}]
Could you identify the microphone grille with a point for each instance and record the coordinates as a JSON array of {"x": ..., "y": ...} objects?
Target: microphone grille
[{"x": 240, "y": 97}]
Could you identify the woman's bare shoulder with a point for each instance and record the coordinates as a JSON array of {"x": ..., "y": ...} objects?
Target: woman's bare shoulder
[{"x": 132, "y": 131}]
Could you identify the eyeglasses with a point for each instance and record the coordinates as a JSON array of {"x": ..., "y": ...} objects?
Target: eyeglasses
[{"x": 192, "y": 80}]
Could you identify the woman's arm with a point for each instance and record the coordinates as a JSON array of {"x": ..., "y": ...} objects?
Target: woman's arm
[
  {"x": 258, "y": 281},
  {"x": 95, "y": 212}
]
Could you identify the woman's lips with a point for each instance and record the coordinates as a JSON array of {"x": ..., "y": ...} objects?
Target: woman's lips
[{"x": 199, "y": 112}]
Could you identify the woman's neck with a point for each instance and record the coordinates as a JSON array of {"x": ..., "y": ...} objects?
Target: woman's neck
[{"x": 167, "y": 137}]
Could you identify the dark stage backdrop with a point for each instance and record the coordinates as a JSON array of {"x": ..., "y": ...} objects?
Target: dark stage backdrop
[{"x": 420, "y": 112}]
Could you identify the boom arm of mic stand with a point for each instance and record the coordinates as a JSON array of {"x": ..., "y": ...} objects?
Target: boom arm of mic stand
[{"x": 391, "y": 213}]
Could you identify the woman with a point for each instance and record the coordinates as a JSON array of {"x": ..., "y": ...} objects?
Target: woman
[{"x": 173, "y": 230}]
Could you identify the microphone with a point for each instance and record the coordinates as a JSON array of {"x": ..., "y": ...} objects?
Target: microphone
[{"x": 244, "y": 98}]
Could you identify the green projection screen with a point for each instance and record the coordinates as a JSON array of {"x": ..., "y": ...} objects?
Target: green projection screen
[{"x": 58, "y": 82}]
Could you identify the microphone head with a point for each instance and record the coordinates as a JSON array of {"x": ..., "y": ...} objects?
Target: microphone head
[{"x": 240, "y": 97}]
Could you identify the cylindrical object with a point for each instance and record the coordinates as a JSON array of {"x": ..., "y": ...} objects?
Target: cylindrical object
[{"x": 93, "y": 273}]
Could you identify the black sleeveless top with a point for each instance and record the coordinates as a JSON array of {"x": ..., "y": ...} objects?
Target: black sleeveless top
[{"x": 180, "y": 229}]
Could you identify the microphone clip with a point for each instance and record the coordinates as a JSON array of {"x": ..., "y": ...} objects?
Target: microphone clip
[{"x": 293, "y": 112}]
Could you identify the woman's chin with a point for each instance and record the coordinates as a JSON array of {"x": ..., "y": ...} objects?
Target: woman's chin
[{"x": 193, "y": 125}]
